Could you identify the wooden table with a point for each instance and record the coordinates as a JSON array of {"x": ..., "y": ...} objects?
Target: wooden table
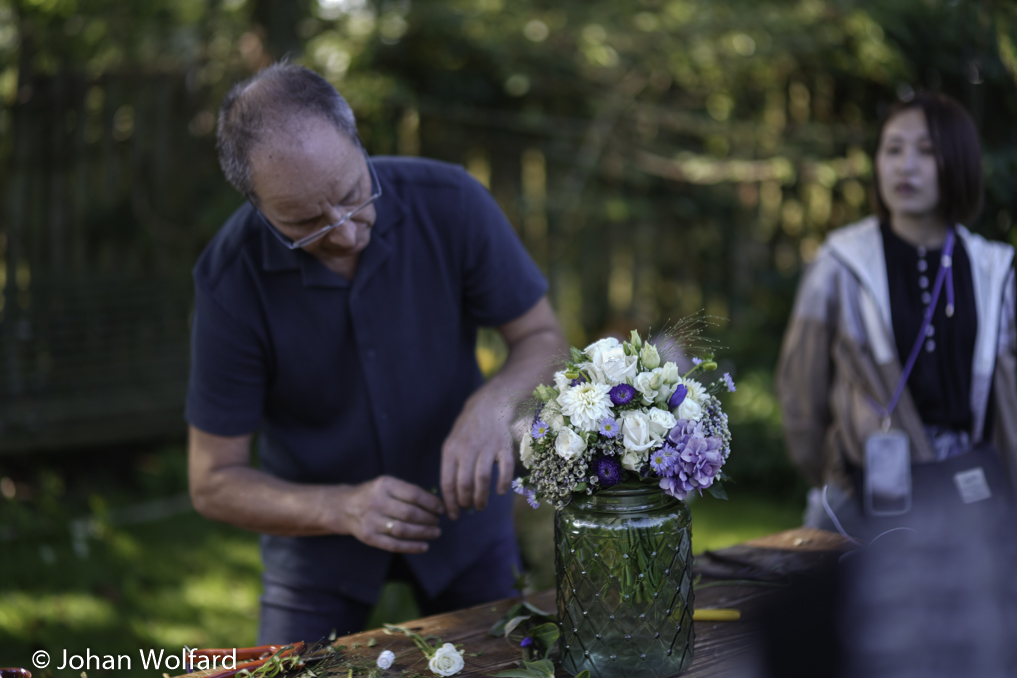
[{"x": 720, "y": 646}]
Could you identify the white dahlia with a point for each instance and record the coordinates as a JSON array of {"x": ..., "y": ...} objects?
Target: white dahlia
[{"x": 586, "y": 404}]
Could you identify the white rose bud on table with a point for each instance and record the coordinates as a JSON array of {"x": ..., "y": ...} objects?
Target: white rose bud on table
[
  {"x": 447, "y": 660},
  {"x": 386, "y": 659}
]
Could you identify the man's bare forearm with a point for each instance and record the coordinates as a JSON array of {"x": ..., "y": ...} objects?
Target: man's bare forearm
[{"x": 225, "y": 489}]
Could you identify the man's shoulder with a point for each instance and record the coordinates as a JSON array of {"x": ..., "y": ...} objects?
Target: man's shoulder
[
  {"x": 409, "y": 172},
  {"x": 237, "y": 241}
]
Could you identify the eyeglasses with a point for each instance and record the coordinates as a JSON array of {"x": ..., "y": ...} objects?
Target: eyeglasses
[{"x": 323, "y": 231}]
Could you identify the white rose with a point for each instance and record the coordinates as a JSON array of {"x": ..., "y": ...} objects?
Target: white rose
[
  {"x": 661, "y": 422},
  {"x": 689, "y": 409},
  {"x": 596, "y": 348},
  {"x": 568, "y": 444},
  {"x": 648, "y": 385},
  {"x": 385, "y": 660},
  {"x": 636, "y": 431},
  {"x": 633, "y": 460},
  {"x": 596, "y": 374},
  {"x": 617, "y": 366},
  {"x": 526, "y": 450},
  {"x": 670, "y": 374},
  {"x": 648, "y": 354},
  {"x": 555, "y": 421},
  {"x": 447, "y": 660}
]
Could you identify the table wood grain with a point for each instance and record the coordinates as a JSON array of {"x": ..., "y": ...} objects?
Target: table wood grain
[{"x": 721, "y": 647}]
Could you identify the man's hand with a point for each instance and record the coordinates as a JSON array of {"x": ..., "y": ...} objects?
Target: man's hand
[
  {"x": 386, "y": 513},
  {"x": 479, "y": 439},
  {"x": 481, "y": 436}
]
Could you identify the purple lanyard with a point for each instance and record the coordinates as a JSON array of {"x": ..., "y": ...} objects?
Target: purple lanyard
[{"x": 945, "y": 273}]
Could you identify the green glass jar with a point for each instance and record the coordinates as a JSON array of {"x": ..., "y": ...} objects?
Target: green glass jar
[{"x": 623, "y": 560}]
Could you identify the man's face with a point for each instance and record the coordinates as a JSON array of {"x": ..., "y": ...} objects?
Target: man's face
[{"x": 311, "y": 175}]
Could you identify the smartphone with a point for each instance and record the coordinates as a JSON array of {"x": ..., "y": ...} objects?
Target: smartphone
[{"x": 887, "y": 474}]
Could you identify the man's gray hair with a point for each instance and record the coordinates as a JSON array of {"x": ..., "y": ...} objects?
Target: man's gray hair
[{"x": 272, "y": 97}]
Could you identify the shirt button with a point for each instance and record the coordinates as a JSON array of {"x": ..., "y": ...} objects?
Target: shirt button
[
  {"x": 922, "y": 265},
  {"x": 926, "y": 297},
  {"x": 930, "y": 345},
  {"x": 921, "y": 251},
  {"x": 930, "y": 330},
  {"x": 923, "y": 282}
]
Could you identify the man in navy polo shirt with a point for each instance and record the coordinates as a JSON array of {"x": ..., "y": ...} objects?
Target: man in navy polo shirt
[{"x": 336, "y": 314}]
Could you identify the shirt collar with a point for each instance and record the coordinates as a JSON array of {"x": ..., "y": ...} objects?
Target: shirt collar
[{"x": 390, "y": 211}]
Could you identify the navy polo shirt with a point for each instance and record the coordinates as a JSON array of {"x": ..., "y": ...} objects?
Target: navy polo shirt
[{"x": 349, "y": 380}]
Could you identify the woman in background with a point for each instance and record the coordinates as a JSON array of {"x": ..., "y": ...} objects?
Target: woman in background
[{"x": 861, "y": 313}]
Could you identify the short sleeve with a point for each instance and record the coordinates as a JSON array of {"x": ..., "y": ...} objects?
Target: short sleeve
[
  {"x": 502, "y": 282},
  {"x": 226, "y": 391}
]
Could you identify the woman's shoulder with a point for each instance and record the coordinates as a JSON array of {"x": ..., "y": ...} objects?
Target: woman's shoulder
[{"x": 984, "y": 251}]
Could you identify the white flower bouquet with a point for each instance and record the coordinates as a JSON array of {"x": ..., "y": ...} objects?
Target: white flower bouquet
[{"x": 616, "y": 413}]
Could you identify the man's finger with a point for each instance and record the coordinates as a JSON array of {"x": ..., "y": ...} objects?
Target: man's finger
[
  {"x": 482, "y": 480},
  {"x": 409, "y": 513},
  {"x": 387, "y": 543},
  {"x": 448, "y": 484},
  {"x": 464, "y": 481},
  {"x": 408, "y": 531},
  {"x": 411, "y": 494},
  {"x": 506, "y": 465}
]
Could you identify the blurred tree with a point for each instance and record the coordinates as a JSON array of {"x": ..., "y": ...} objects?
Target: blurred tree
[{"x": 658, "y": 157}]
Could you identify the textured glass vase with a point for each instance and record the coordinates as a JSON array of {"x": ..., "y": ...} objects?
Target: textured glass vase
[{"x": 623, "y": 560}]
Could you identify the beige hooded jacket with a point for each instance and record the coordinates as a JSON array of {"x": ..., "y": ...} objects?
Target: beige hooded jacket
[{"x": 839, "y": 350}]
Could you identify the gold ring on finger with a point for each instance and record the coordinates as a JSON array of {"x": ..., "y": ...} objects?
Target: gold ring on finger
[{"x": 389, "y": 525}]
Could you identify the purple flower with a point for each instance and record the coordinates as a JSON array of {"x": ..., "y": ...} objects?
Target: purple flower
[
  {"x": 678, "y": 397},
  {"x": 608, "y": 427},
  {"x": 674, "y": 487},
  {"x": 697, "y": 361},
  {"x": 539, "y": 429},
  {"x": 575, "y": 382},
  {"x": 517, "y": 486},
  {"x": 729, "y": 382},
  {"x": 527, "y": 641},
  {"x": 662, "y": 460},
  {"x": 531, "y": 498},
  {"x": 609, "y": 471},
  {"x": 622, "y": 394}
]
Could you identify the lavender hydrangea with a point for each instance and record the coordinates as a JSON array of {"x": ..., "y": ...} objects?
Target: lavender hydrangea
[
  {"x": 699, "y": 459},
  {"x": 608, "y": 427},
  {"x": 622, "y": 394},
  {"x": 608, "y": 470}
]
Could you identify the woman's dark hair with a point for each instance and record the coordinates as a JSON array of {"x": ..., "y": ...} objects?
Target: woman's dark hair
[{"x": 958, "y": 157}]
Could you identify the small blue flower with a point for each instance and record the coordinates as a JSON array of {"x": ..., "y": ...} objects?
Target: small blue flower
[
  {"x": 517, "y": 486},
  {"x": 539, "y": 429},
  {"x": 622, "y": 394},
  {"x": 678, "y": 397},
  {"x": 527, "y": 641},
  {"x": 608, "y": 427},
  {"x": 697, "y": 361},
  {"x": 662, "y": 460},
  {"x": 729, "y": 382},
  {"x": 531, "y": 498},
  {"x": 575, "y": 382}
]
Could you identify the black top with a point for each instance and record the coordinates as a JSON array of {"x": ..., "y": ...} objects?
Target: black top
[
  {"x": 347, "y": 380},
  {"x": 940, "y": 382}
]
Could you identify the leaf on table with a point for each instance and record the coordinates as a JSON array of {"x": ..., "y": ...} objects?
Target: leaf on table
[{"x": 511, "y": 625}]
